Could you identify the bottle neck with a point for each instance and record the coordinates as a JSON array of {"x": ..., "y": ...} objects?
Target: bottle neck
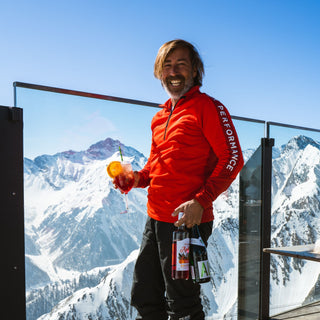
[
  {"x": 195, "y": 233},
  {"x": 182, "y": 227}
]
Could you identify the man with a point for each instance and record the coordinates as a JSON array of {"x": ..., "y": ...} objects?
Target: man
[{"x": 195, "y": 155}]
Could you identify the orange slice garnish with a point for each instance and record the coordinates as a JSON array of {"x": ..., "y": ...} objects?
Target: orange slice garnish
[{"x": 114, "y": 168}]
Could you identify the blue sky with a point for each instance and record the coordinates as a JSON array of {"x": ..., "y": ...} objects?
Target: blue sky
[{"x": 261, "y": 57}]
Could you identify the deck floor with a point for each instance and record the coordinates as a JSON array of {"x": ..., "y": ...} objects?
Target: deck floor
[{"x": 309, "y": 312}]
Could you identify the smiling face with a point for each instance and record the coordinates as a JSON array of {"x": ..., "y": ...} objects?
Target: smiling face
[{"x": 178, "y": 73}]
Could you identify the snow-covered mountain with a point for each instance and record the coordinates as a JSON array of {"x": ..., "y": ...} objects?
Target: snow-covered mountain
[
  {"x": 295, "y": 221},
  {"x": 75, "y": 234},
  {"x": 80, "y": 250},
  {"x": 110, "y": 299},
  {"x": 73, "y": 222}
]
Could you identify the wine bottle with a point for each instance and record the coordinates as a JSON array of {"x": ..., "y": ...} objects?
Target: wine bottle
[
  {"x": 180, "y": 252},
  {"x": 199, "y": 264}
]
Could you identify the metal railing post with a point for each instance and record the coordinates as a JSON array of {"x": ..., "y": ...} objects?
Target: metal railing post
[
  {"x": 266, "y": 180},
  {"x": 12, "y": 265}
]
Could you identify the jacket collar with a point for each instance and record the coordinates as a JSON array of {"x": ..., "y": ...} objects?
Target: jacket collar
[{"x": 191, "y": 92}]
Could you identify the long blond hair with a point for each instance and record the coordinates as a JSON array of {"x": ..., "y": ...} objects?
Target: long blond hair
[{"x": 168, "y": 47}]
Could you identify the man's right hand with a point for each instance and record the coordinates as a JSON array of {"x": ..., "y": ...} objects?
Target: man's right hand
[{"x": 135, "y": 184}]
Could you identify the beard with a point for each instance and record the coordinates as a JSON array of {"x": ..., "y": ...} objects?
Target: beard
[{"x": 177, "y": 86}]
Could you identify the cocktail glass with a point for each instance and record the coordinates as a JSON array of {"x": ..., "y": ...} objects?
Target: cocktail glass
[{"x": 125, "y": 180}]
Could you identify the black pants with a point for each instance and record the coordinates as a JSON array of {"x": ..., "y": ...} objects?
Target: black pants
[{"x": 154, "y": 294}]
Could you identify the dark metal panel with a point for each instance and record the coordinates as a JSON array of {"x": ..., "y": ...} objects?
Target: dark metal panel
[
  {"x": 12, "y": 214},
  {"x": 266, "y": 180}
]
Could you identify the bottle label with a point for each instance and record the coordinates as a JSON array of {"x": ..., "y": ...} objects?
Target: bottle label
[
  {"x": 182, "y": 255},
  {"x": 203, "y": 267},
  {"x": 197, "y": 242}
]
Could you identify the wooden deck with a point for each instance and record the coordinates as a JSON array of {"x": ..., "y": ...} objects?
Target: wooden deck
[{"x": 309, "y": 312}]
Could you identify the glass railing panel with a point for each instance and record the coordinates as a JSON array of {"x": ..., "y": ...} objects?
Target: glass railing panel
[
  {"x": 74, "y": 230},
  {"x": 78, "y": 245},
  {"x": 249, "y": 220},
  {"x": 295, "y": 215}
]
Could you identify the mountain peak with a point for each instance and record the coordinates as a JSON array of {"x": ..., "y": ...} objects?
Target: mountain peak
[
  {"x": 103, "y": 149},
  {"x": 300, "y": 142},
  {"x": 100, "y": 150}
]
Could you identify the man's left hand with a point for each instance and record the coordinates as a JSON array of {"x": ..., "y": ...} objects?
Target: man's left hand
[{"x": 192, "y": 213}]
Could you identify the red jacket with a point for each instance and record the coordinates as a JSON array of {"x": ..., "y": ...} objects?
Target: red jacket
[{"x": 195, "y": 154}]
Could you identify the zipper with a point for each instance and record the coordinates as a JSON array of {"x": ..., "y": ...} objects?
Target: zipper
[{"x": 165, "y": 130}]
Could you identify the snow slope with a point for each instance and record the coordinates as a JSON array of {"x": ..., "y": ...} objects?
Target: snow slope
[{"x": 80, "y": 250}]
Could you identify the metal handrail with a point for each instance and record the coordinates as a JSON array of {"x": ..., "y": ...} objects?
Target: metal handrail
[
  {"x": 83, "y": 94},
  {"x": 105, "y": 97},
  {"x": 278, "y": 124}
]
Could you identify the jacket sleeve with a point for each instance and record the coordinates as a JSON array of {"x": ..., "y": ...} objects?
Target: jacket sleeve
[{"x": 220, "y": 132}]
